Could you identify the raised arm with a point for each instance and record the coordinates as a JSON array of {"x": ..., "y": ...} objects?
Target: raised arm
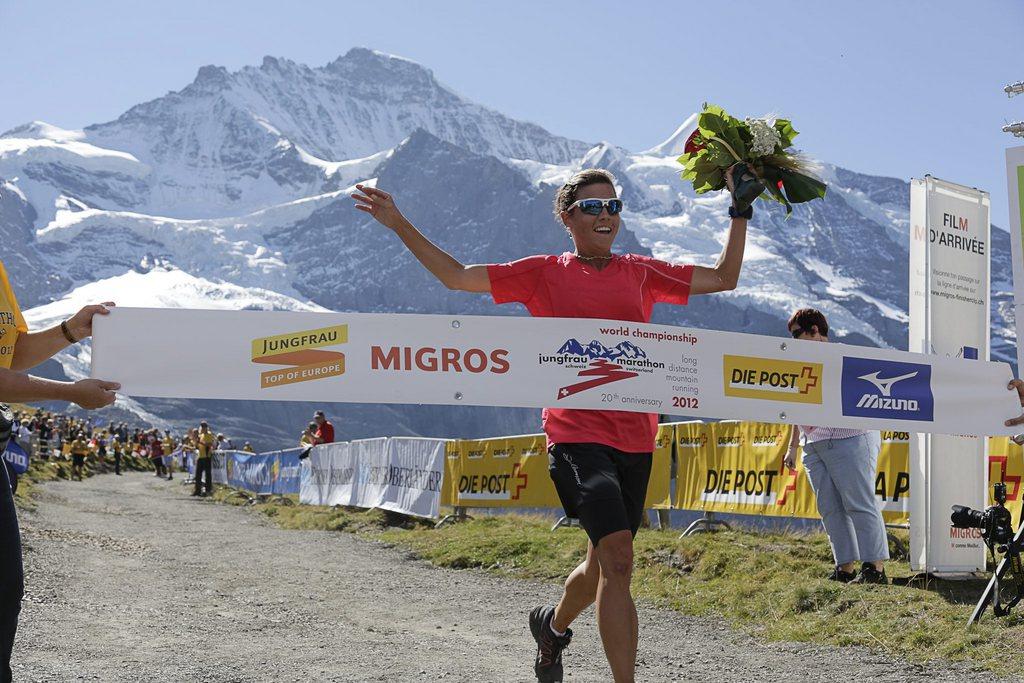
[
  {"x": 445, "y": 267},
  {"x": 726, "y": 273}
]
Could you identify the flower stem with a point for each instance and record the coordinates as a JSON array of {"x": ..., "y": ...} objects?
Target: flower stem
[{"x": 726, "y": 145}]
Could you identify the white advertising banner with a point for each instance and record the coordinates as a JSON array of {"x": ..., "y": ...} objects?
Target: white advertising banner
[
  {"x": 949, "y": 317},
  {"x": 398, "y": 474},
  {"x": 328, "y": 475},
  {"x": 1015, "y": 191},
  {"x": 413, "y": 477},
  {"x": 540, "y": 362},
  {"x": 370, "y": 459}
]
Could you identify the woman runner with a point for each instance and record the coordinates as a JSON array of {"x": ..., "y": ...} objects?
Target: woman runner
[{"x": 599, "y": 460}]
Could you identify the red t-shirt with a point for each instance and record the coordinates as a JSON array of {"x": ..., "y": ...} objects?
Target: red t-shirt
[
  {"x": 565, "y": 287},
  {"x": 326, "y": 432}
]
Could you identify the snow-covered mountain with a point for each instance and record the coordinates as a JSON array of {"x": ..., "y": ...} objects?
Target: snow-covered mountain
[{"x": 233, "y": 193}]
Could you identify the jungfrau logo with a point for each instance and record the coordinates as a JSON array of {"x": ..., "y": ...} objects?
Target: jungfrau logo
[
  {"x": 599, "y": 363},
  {"x": 302, "y": 352},
  {"x": 603, "y": 373}
]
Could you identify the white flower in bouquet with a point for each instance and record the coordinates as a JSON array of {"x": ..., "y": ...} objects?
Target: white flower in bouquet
[{"x": 764, "y": 135}]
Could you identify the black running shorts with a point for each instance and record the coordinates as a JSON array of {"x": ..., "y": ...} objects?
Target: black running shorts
[
  {"x": 77, "y": 459},
  {"x": 601, "y": 486}
]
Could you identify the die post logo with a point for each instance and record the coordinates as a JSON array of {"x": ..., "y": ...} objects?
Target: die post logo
[
  {"x": 303, "y": 355},
  {"x": 772, "y": 379}
]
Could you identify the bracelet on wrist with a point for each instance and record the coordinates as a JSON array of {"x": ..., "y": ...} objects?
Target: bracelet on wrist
[
  {"x": 748, "y": 214},
  {"x": 67, "y": 333}
]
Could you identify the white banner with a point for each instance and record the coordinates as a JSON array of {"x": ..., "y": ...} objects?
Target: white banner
[
  {"x": 539, "y": 362},
  {"x": 1015, "y": 191},
  {"x": 328, "y": 475},
  {"x": 398, "y": 474},
  {"x": 414, "y": 474},
  {"x": 949, "y": 316}
]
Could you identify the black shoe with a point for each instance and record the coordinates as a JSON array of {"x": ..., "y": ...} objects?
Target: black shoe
[
  {"x": 841, "y": 576},
  {"x": 868, "y": 574},
  {"x": 548, "y": 665}
]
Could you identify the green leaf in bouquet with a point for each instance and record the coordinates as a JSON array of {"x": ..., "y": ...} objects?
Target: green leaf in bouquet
[
  {"x": 786, "y": 133},
  {"x": 709, "y": 182},
  {"x": 773, "y": 180},
  {"x": 801, "y": 188}
]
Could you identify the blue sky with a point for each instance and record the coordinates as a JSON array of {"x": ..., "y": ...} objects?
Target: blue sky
[{"x": 898, "y": 88}]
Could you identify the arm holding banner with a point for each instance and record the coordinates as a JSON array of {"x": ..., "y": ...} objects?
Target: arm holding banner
[
  {"x": 1019, "y": 386},
  {"x": 16, "y": 387},
  {"x": 32, "y": 348},
  {"x": 445, "y": 267}
]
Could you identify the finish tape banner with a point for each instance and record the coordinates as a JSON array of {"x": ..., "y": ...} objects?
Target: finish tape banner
[
  {"x": 545, "y": 362},
  {"x": 399, "y": 474},
  {"x": 737, "y": 467}
]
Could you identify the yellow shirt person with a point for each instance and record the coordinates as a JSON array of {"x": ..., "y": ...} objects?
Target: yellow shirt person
[
  {"x": 11, "y": 321},
  {"x": 206, "y": 443}
]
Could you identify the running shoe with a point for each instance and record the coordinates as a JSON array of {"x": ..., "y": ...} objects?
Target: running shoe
[{"x": 548, "y": 666}]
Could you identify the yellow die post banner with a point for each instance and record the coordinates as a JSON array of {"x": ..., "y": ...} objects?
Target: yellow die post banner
[
  {"x": 892, "y": 481},
  {"x": 737, "y": 467},
  {"x": 448, "y": 488},
  {"x": 501, "y": 472},
  {"x": 659, "y": 487},
  {"x": 693, "y": 458},
  {"x": 1006, "y": 464}
]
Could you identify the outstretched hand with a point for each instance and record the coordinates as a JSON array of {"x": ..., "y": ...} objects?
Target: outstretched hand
[
  {"x": 380, "y": 205},
  {"x": 80, "y": 324},
  {"x": 1019, "y": 386}
]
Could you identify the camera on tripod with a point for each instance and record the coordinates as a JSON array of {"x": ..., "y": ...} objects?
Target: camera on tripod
[
  {"x": 1006, "y": 588},
  {"x": 995, "y": 522}
]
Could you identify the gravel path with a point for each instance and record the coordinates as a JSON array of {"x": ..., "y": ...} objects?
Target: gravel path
[{"x": 129, "y": 579}]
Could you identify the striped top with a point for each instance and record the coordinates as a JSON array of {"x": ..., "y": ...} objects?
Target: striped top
[{"x": 815, "y": 434}]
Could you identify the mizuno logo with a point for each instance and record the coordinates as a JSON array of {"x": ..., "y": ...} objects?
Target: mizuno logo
[{"x": 885, "y": 385}]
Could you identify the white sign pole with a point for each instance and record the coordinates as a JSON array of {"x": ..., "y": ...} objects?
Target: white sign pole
[
  {"x": 949, "y": 316},
  {"x": 1015, "y": 192}
]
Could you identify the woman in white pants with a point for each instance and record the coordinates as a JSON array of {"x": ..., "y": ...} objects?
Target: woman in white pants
[{"x": 841, "y": 465}]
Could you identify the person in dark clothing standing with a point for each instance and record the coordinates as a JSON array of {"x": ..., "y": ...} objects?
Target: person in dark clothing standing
[
  {"x": 204, "y": 459},
  {"x": 21, "y": 350}
]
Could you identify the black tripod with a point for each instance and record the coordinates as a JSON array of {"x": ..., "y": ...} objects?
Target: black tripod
[{"x": 994, "y": 592}]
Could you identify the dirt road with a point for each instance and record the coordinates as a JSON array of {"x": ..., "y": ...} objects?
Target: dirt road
[{"x": 129, "y": 579}]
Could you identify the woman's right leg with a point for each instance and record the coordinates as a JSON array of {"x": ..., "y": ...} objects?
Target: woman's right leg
[{"x": 838, "y": 526}]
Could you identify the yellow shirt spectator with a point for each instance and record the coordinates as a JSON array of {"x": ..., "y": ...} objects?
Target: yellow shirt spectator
[
  {"x": 11, "y": 321},
  {"x": 79, "y": 447},
  {"x": 206, "y": 443}
]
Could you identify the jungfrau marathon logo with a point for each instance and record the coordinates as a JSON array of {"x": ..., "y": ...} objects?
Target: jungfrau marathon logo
[
  {"x": 887, "y": 389},
  {"x": 772, "y": 379},
  {"x": 600, "y": 364},
  {"x": 302, "y": 352}
]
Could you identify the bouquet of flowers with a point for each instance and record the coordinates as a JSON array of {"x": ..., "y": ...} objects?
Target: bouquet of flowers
[{"x": 760, "y": 150}]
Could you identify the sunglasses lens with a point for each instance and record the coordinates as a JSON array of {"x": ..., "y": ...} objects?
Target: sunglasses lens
[
  {"x": 796, "y": 333},
  {"x": 591, "y": 207},
  {"x": 614, "y": 206}
]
